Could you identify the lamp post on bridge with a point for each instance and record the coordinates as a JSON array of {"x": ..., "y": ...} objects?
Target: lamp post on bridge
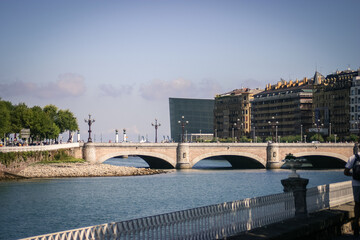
[
  {"x": 318, "y": 125},
  {"x": 183, "y": 123},
  {"x": 273, "y": 123},
  {"x": 89, "y": 122},
  {"x": 156, "y": 125},
  {"x": 232, "y": 131}
]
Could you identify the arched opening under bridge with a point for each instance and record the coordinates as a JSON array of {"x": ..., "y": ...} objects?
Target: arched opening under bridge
[
  {"x": 213, "y": 163},
  {"x": 324, "y": 162},
  {"x": 139, "y": 161},
  {"x": 229, "y": 162}
]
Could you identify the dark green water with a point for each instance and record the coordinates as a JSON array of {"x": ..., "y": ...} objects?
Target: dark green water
[{"x": 34, "y": 207}]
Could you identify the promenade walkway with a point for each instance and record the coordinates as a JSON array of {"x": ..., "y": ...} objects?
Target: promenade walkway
[{"x": 329, "y": 224}]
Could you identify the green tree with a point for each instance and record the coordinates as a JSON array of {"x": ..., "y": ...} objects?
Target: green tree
[
  {"x": 317, "y": 137},
  {"x": 66, "y": 121},
  {"x": 353, "y": 138},
  {"x": 244, "y": 139},
  {"x": 41, "y": 124},
  {"x": 51, "y": 111},
  {"x": 5, "y": 118},
  {"x": 21, "y": 117},
  {"x": 291, "y": 139}
]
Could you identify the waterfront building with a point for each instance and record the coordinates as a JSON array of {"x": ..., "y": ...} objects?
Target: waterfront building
[
  {"x": 198, "y": 113},
  {"x": 355, "y": 105},
  {"x": 283, "y": 109},
  {"x": 232, "y": 113},
  {"x": 331, "y": 102}
]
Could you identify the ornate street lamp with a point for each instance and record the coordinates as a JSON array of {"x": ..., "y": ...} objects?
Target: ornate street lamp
[
  {"x": 233, "y": 137},
  {"x": 273, "y": 123},
  {"x": 183, "y": 123},
  {"x": 156, "y": 125},
  {"x": 318, "y": 125},
  {"x": 89, "y": 122}
]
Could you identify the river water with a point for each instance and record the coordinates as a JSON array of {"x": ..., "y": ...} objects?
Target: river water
[{"x": 40, "y": 206}]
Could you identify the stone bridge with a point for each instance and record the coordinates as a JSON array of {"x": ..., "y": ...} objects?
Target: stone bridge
[{"x": 240, "y": 155}]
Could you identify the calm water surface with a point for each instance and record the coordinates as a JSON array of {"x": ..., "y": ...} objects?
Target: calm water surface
[{"x": 34, "y": 207}]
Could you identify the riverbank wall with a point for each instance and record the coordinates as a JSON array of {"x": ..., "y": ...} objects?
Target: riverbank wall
[{"x": 15, "y": 159}]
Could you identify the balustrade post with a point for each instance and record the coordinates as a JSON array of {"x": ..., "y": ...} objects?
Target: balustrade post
[{"x": 298, "y": 187}]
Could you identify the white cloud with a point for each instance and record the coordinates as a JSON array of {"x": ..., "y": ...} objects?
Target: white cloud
[
  {"x": 112, "y": 91},
  {"x": 160, "y": 89},
  {"x": 67, "y": 85}
]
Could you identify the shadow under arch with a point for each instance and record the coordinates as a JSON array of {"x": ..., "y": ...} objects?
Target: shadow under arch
[
  {"x": 238, "y": 160},
  {"x": 324, "y": 160},
  {"x": 154, "y": 160}
]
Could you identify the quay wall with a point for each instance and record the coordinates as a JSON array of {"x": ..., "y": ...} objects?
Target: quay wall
[{"x": 15, "y": 159}]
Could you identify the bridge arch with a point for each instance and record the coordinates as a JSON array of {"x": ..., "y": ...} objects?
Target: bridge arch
[
  {"x": 248, "y": 158},
  {"x": 155, "y": 160},
  {"x": 324, "y": 159}
]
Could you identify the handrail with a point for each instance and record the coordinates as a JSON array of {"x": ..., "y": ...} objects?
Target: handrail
[
  {"x": 209, "y": 222},
  {"x": 40, "y": 147},
  {"x": 212, "y": 222}
]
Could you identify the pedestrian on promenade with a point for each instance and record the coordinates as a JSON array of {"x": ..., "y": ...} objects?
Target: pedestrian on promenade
[{"x": 352, "y": 168}]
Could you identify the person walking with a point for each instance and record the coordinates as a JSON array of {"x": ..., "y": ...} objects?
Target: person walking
[{"x": 352, "y": 168}]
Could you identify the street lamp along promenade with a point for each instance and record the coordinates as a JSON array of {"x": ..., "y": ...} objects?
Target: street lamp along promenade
[
  {"x": 89, "y": 122},
  {"x": 183, "y": 123},
  {"x": 156, "y": 125}
]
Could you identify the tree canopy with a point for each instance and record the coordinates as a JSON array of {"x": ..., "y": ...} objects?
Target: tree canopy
[{"x": 44, "y": 123}]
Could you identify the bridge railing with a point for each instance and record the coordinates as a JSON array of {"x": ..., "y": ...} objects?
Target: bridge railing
[
  {"x": 40, "y": 147},
  {"x": 211, "y": 222}
]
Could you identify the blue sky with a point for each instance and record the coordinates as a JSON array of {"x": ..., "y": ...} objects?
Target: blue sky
[{"x": 122, "y": 60}]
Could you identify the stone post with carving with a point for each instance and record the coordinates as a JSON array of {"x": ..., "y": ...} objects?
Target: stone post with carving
[
  {"x": 272, "y": 154},
  {"x": 89, "y": 152},
  {"x": 298, "y": 187},
  {"x": 182, "y": 158}
]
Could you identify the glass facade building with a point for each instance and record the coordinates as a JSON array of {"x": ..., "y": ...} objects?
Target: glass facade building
[{"x": 198, "y": 112}]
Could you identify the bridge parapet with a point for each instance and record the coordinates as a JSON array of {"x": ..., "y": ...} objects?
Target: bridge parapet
[{"x": 41, "y": 147}]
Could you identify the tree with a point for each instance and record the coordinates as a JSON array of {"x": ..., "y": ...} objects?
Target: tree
[
  {"x": 21, "y": 117},
  {"x": 66, "y": 121},
  {"x": 51, "y": 111},
  {"x": 353, "y": 138},
  {"x": 317, "y": 137},
  {"x": 41, "y": 124},
  {"x": 5, "y": 118}
]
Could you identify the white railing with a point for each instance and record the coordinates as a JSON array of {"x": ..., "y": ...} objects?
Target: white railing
[
  {"x": 327, "y": 196},
  {"x": 210, "y": 222},
  {"x": 214, "y": 221},
  {"x": 40, "y": 147}
]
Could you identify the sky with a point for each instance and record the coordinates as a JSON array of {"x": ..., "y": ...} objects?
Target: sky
[{"x": 120, "y": 61}]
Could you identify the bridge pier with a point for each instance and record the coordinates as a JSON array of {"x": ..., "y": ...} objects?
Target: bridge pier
[
  {"x": 182, "y": 158},
  {"x": 272, "y": 155},
  {"x": 89, "y": 152}
]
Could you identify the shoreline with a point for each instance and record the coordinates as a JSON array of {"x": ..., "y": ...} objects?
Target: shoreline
[{"x": 63, "y": 170}]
